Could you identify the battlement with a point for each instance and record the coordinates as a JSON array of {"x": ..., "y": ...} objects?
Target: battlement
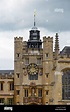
[
  {"x": 6, "y": 76},
  {"x": 18, "y": 38},
  {"x": 47, "y": 39},
  {"x": 50, "y": 38},
  {"x": 65, "y": 56},
  {"x": 44, "y": 38},
  {"x": 25, "y": 42}
]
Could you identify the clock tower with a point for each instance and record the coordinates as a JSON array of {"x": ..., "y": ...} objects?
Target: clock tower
[
  {"x": 28, "y": 68},
  {"x": 32, "y": 68}
]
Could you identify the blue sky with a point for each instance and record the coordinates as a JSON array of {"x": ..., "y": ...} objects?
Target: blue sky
[{"x": 16, "y": 19}]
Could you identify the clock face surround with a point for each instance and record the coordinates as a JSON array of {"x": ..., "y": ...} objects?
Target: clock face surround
[{"x": 32, "y": 69}]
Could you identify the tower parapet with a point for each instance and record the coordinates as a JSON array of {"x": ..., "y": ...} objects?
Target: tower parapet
[
  {"x": 47, "y": 38},
  {"x": 18, "y": 38}
]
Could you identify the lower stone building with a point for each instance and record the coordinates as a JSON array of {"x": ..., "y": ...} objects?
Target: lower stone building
[
  {"x": 41, "y": 76},
  {"x": 6, "y": 87}
]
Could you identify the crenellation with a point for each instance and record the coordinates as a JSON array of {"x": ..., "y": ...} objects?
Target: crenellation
[
  {"x": 7, "y": 76},
  {"x": 44, "y": 39},
  {"x": 18, "y": 38},
  {"x": 47, "y": 39},
  {"x": 64, "y": 56},
  {"x": 50, "y": 39}
]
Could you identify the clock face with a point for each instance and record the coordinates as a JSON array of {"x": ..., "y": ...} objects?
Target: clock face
[{"x": 32, "y": 69}]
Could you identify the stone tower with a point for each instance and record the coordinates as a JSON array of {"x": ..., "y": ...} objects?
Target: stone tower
[
  {"x": 28, "y": 68},
  {"x": 18, "y": 62},
  {"x": 47, "y": 68}
]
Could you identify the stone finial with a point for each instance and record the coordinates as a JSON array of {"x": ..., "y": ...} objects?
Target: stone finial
[
  {"x": 56, "y": 42},
  {"x": 56, "y": 46}
]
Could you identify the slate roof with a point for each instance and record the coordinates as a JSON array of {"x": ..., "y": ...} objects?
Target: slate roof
[{"x": 65, "y": 51}]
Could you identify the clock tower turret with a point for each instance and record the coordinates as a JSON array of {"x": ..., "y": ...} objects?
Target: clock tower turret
[{"x": 34, "y": 37}]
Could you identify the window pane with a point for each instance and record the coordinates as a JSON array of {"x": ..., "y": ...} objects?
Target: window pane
[
  {"x": 18, "y": 75},
  {"x": 10, "y": 101},
  {"x": 40, "y": 93},
  {"x": 38, "y": 60},
  {"x": 18, "y": 92},
  {"x": 12, "y": 86},
  {"x": 26, "y": 93},
  {"x": 2, "y": 101},
  {"x": 47, "y": 92},
  {"x": 46, "y": 55},
  {"x": 1, "y": 86},
  {"x": 27, "y": 61}
]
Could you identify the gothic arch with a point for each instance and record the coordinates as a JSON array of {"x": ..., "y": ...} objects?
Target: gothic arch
[{"x": 66, "y": 68}]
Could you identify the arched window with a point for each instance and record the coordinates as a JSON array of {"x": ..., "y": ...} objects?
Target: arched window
[{"x": 66, "y": 85}]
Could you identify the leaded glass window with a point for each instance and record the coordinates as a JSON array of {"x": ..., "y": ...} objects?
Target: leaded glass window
[{"x": 66, "y": 85}]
